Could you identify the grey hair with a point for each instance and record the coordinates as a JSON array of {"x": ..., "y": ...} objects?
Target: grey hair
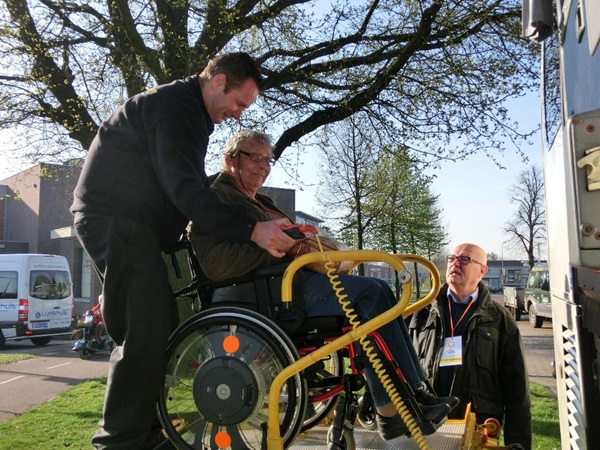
[{"x": 234, "y": 144}]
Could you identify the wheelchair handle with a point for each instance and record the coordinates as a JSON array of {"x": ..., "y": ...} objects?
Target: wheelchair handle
[{"x": 297, "y": 231}]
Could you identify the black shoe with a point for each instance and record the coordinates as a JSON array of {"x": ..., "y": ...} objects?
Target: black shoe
[
  {"x": 424, "y": 397},
  {"x": 390, "y": 427},
  {"x": 393, "y": 427},
  {"x": 436, "y": 414}
]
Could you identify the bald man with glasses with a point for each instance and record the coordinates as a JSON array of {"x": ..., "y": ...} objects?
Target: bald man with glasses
[{"x": 470, "y": 348}]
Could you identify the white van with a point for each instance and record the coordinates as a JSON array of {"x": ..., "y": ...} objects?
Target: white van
[{"x": 36, "y": 297}]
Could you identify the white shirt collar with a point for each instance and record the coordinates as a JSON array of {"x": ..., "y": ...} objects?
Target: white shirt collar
[{"x": 473, "y": 296}]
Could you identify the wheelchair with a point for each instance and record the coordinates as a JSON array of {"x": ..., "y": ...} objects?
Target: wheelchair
[{"x": 247, "y": 370}]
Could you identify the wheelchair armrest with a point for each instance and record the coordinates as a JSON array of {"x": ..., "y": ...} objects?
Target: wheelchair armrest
[
  {"x": 269, "y": 271},
  {"x": 205, "y": 284},
  {"x": 263, "y": 272}
]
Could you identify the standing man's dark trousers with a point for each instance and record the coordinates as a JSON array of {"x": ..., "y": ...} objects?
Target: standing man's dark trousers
[{"x": 139, "y": 313}]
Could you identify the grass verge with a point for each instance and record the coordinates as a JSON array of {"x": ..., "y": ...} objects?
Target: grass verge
[
  {"x": 12, "y": 357},
  {"x": 69, "y": 420},
  {"x": 65, "y": 422},
  {"x": 544, "y": 413}
]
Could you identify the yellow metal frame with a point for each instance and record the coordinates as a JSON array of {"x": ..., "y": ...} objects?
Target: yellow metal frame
[
  {"x": 475, "y": 436},
  {"x": 274, "y": 440}
]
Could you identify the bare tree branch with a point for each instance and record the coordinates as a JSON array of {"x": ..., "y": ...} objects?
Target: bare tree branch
[
  {"x": 426, "y": 73},
  {"x": 527, "y": 229}
]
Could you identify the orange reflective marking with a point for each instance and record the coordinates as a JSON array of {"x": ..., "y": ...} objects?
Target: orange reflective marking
[
  {"x": 231, "y": 344},
  {"x": 222, "y": 439}
]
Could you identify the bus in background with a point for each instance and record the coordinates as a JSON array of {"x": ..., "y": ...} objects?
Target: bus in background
[{"x": 570, "y": 34}]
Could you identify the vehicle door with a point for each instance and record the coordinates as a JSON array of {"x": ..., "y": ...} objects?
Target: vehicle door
[
  {"x": 543, "y": 294},
  {"x": 9, "y": 303},
  {"x": 538, "y": 293},
  {"x": 50, "y": 304}
]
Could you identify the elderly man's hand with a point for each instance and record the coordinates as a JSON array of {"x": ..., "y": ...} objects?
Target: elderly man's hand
[{"x": 268, "y": 235}]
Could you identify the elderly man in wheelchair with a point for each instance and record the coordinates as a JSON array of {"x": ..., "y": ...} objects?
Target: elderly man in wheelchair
[{"x": 214, "y": 398}]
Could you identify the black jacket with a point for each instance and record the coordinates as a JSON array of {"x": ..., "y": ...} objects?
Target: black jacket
[
  {"x": 493, "y": 376},
  {"x": 147, "y": 163}
]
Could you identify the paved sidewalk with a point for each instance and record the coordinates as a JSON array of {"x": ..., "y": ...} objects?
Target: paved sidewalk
[
  {"x": 539, "y": 352},
  {"x": 539, "y": 349}
]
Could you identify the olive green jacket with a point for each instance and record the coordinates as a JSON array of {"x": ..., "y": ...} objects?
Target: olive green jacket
[
  {"x": 493, "y": 376},
  {"x": 220, "y": 259}
]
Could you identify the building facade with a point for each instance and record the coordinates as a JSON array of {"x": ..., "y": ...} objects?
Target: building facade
[
  {"x": 508, "y": 272},
  {"x": 35, "y": 218}
]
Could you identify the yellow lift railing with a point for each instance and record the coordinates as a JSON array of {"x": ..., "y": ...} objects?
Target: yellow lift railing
[{"x": 274, "y": 440}]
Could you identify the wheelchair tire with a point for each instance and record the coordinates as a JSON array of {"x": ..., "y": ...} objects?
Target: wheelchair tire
[
  {"x": 317, "y": 411},
  {"x": 366, "y": 412},
  {"x": 347, "y": 441},
  {"x": 220, "y": 366}
]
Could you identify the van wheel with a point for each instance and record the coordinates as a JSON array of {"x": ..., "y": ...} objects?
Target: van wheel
[
  {"x": 2, "y": 339},
  {"x": 42, "y": 340},
  {"x": 534, "y": 320}
]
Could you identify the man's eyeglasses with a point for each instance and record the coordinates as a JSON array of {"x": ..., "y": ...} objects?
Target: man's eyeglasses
[
  {"x": 462, "y": 260},
  {"x": 256, "y": 157}
]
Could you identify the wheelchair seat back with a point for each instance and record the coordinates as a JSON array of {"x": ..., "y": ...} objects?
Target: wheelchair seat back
[{"x": 259, "y": 291}]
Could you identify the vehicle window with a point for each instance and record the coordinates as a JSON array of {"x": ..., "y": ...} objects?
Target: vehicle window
[
  {"x": 544, "y": 281},
  {"x": 551, "y": 88},
  {"x": 8, "y": 284},
  {"x": 49, "y": 284},
  {"x": 531, "y": 282}
]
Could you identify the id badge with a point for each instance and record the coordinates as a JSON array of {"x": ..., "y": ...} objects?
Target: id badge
[{"x": 452, "y": 352}]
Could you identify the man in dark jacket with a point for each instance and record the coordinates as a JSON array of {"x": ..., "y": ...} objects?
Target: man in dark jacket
[
  {"x": 470, "y": 347},
  {"x": 142, "y": 182}
]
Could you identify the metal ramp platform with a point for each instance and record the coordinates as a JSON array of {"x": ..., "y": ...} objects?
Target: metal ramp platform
[{"x": 448, "y": 437}]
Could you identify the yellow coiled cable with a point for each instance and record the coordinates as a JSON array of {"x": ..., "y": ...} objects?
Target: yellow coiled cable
[{"x": 370, "y": 353}]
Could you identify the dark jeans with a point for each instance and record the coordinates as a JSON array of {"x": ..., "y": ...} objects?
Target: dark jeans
[
  {"x": 139, "y": 314},
  {"x": 369, "y": 297}
]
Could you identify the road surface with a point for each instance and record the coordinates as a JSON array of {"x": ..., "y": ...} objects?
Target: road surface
[
  {"x": 539, "y": 349},
  {"x": 56, "y": 367}
]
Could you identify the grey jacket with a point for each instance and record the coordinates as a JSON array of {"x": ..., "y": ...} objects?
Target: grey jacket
[{"x": 493, "y": 376}]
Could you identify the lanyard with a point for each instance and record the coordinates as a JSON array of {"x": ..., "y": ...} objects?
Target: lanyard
[{"x": 452, "y": 326}]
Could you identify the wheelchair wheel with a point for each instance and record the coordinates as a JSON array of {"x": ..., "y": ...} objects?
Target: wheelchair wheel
[
  {"x": 366, "y": 412},
  {"x": 330, "y": 367},
  {"x": 220, "y": 368},
  {"x": 346, "y": 442}
]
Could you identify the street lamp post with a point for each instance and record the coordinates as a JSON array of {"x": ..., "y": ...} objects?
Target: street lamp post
[{"x": 502, "y": 263}]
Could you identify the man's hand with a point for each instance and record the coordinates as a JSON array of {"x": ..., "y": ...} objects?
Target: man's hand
[{"x": 268, "y": 235}]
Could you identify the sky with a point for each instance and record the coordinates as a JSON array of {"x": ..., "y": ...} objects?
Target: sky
[{"x": 473, "y": 193}]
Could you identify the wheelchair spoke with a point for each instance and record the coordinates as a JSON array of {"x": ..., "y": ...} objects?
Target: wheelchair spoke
[
  {"x": 237, "y": 441},
  {"x": 250, "y": 348},
  {"x": 199, "y": 435}
]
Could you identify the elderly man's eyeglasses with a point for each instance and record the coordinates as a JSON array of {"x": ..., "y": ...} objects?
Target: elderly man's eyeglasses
[
  {"x": 256, "y": 157},
  {"x": 463, "y": 260}
]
